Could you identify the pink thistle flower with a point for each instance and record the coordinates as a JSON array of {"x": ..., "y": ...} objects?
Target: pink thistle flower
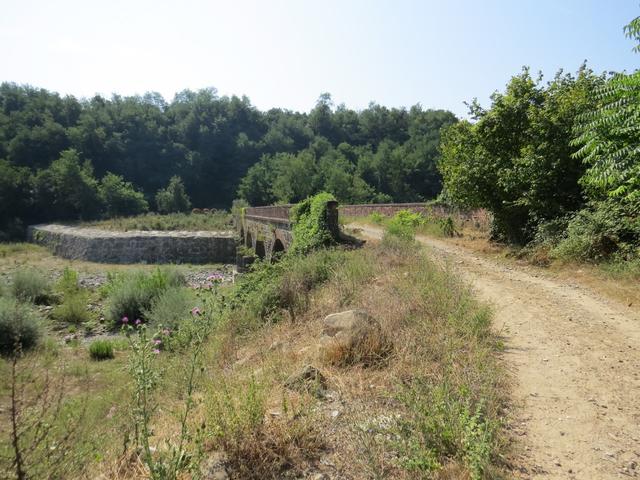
[
  {"x": 195, "y": 311},
  {"x": 125, "y": 320},
  {"x": 156, "y": 351},
  {"x": 157, "y": 341},
  {"x": 138, "y": 321}
]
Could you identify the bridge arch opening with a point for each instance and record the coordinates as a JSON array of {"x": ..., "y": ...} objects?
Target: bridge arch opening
[
  {"x": 260, "y": 251},
  {"x": 278, "y": 248}
]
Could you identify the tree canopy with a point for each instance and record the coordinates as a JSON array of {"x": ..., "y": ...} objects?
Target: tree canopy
[{"x": 65, "y": 158}]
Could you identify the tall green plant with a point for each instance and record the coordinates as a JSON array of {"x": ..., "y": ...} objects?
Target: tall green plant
[{"x": 608, "y": 136}]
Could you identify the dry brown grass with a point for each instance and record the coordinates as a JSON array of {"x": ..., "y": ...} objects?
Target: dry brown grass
[
  {"x": 414, "y": 302},
  {"x": 268, "y": 431}
]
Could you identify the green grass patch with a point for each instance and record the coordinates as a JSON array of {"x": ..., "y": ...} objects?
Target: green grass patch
[
  {"x": 219, "y": 220},
  {"x": 101, "y": 350}
]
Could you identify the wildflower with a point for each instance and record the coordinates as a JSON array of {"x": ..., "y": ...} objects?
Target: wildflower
[
  {"x": 195, "y": 311},
  {"x": 157, "y": 341},
  {"x": 166, "y": 331},
  {"x": 156, "y": 351},
  {"x": 215, "y": 278},
  {"x": 138, "y": 321},
  {"x": 125, "y": 320}
]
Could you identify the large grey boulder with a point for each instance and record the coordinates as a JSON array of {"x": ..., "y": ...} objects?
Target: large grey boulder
[{"x": 352, "y": 337}]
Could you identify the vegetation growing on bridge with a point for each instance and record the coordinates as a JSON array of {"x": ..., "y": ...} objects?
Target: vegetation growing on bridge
[{"x": 310, "y": 223}]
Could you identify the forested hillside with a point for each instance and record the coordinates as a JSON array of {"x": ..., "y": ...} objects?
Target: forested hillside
[{"x": 62, "y": 158}]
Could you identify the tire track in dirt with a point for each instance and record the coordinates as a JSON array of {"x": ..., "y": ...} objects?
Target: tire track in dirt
[{"x": 575, "y": 357}]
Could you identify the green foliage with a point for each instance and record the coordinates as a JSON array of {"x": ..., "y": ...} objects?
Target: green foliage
[
  {"x": 285, "y": 285},
  {"x": 67, "y": 189},
  {"x": 517, "y": 160},
  {"x": 444, "y": 424},
  {"x": 68, "y": 284},
  {"x": 171, "y": 307},
  {"x": 403, "y": 225},
  {"x": 19, "y": 326},
  {"x": 15, "y": 199},
  {"x": 310, "y": 222},
  {"x": 220, "y": 146},
  {"x": 131, "y": 295},
  {"x": 73, "y": 309},
  {"x": 174, "y": 198},
  {"x": 101, "y": 350},
  {"x": 29, "y": 285},
  {"x": 120, "y": 198},
  {"x": 376, "y": 218},
  {"x": 608, "y": 136},
  {"x": 219, "y": 220},
  {"x": 598, "y": 233}
]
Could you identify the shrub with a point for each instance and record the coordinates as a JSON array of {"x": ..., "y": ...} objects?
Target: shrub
[
  {"x": 174, "y": 198},
  {"x": 73, "y": 309},
  {"x": 31, "y": 286},
  {"x": 403, "y": 225},
  {"x": 19, "y": 326},
  {"x": 170, "y": 307},
  {"x": 600, "y": 232},
  {"x": 268, "y": 288},
  {"x": 377, "y": 218},
  {"x": 101, "y": 350},
  {"x": 68, "y": 283},
  {"x": 132, "y": 294}
]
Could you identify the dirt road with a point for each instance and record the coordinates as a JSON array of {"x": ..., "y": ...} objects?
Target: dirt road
[{"x": 575, "y": 357}]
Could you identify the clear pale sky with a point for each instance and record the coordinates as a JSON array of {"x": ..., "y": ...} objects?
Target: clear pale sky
[{"x": 285, "y": 53}]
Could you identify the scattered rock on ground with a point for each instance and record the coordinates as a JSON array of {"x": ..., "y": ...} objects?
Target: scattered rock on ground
[
  {"x": 310, "y": 380},
  {"x": 214, "y": 467}
]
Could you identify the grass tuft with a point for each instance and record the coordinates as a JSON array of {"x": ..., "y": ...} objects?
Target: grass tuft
[{"x": 101, "y": 350}]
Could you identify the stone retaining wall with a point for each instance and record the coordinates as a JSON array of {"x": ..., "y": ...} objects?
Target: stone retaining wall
[{"x": 103, "y": 246}]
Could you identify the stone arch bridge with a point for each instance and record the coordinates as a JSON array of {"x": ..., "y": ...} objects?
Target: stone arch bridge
[{"x": 267, "y": 230}]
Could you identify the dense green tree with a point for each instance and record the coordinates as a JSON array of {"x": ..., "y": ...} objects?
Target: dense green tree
[
  {"x": 609, "y": 136},
  {"x": 174, "y": 198},
  {"x": 120, "y": 198},
  {"x": 67, "y": 189},
  {"x": 516, "y": 160},
  {"x": 15, "y": 199}
]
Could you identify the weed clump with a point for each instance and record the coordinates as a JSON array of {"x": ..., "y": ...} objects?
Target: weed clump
[
  {"x": 31, "y": 286},
  {"x": 19, "y": 327},
  {"x": 101, "y": 350},
  {"x": 131, "y": 295},
  {"x": 73, "y": 309},
  {"x": 171, "y": 307},
  {"x": 256, "y": 447}
]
